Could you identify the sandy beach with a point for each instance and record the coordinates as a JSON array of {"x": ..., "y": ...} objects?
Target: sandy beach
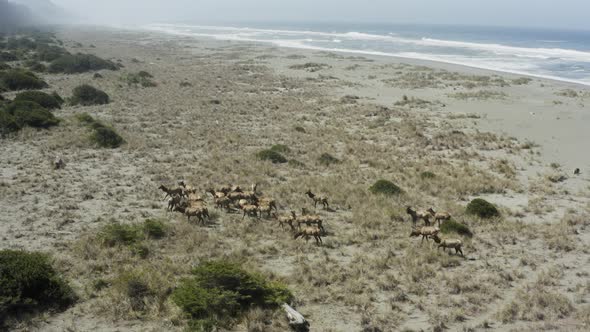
[{"x": 512, "y": 140}]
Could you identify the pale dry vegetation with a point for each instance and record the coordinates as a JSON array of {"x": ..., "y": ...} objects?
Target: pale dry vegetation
[{"x": 92, "y": 214}]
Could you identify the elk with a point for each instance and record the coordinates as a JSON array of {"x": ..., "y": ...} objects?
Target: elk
[{"x": 318, "y": 199}]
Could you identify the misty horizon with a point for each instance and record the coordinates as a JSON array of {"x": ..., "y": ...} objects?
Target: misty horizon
[{"x": 569, "y": 14}]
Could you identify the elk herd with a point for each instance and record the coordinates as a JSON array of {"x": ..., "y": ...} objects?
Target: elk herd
[{"x": 250, "y": 203}]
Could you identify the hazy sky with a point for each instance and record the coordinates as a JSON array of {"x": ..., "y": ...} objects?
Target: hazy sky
[{"x": 553, "y": 13}]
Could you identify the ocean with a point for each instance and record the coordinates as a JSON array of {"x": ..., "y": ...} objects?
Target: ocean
[{"x": 549, "y": 53}]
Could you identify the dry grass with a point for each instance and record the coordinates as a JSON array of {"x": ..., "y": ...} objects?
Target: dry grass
[{"x": 368, "y": 269}]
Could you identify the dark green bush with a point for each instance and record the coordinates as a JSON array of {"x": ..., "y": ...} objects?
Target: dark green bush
[
  {"x": 79, "y": 63},
  {"x": 385, "y": 187},
  {"x": 482, "y": 208},
  {"x": 28, "y": 282},
  {"x": 280, "y": 148},
  {"x": 36, "y": 66},
  {"x": 427, "y": 175},
  {"x": 86, "y": 95},
  {"x": 119, "y": 234},
  {"x": 327, "y": 159},
  {"x": 18, "y": 79},
  {"x": 50, "y": 53},
  {"x": 300, "y": 129},
  {"x": 220, "y": 292},
  {"x": 142, "y": 78},
  {"x": 451, "y": 226},
  {"x": 8, "y": 56},
  {"x": 28, "y": 113},
  {"x": 86, "y": 119},
  {"x": 273, "y": 156},
  {"x": 4, "y": 66},
  {"x": 8, "y": 123},
  {"x": 154, "y": 229},
  {"x": 106, "y": 137},
  {"x": 45, "y": 100}
]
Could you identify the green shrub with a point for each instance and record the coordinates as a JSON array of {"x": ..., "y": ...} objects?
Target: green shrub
[
  {"x": 220, "y": 292},
  {"x": 18, "y": 79},
  {"x": 106, "y": 137},
  {"x": 273, "y": 156},
  {"x": 142, "y": 78},
  {"x": 119, "y": 234},
  {"x": 280, "y": 148},
  {"x": 482, "y": 208},
  {"x": 327, "y": 159},
  {"x": 8, "y": 56},
  {"x": 427, "y": 175},
  {"x": 385, "y": 187},
  {"x": 50, "y": 53},
  {"x": 154, "y": 229},
  {"x": 28, "y": 113},
  {"x": 28, "y": 282},
  {"x": 300, "y": 129},
  {"x": 4, "y": 66},
  {"x": 451, "y": 226},
  {"x": 36, "y": 66},
  {"x": 86, "y": 119},
  {"x": 79, "y": 63},
  {"x": 8, "y": 123},
  {"x": 87, "y": 95},
  {"x": 45, "y": 100}
]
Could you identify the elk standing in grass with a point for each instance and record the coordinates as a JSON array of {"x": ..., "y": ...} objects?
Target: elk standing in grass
[
  {"x": 417, "y": 215},
  {"x": 449, "y": 243},
  {"x": 425, "y": 232},
  {"x": 318, "y": 199},
  {"x": 172, "y": 192},
  {"x": 308, "y": 232},
  {"x": 438, "y": 216}
]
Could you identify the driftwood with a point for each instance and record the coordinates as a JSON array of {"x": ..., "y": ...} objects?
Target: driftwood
[{"x": 296, "y": 320}]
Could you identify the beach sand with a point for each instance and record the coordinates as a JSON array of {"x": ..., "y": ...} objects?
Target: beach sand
[{"x": 511, "y": 140}]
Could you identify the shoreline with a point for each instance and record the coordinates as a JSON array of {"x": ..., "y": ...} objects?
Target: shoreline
[{"x": 425, "y": 59}]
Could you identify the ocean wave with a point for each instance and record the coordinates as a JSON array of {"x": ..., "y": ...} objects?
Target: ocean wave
[{"x": 510, "y": 59}]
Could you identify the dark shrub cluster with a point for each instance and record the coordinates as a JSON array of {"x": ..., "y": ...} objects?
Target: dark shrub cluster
[
  {"x": 18, "y": 79},
  {"x": 79, "y": 63},
  {"x": 385, "y": 187},
  {"x": 87, "y": 95},
  {"x": 36, "y": 66},
  {"x": 28, "y": 283},
  {"x": 273, "y": 156},
  {"x": 482, "y": 208},
  {"x": 142, "y": 78},
  {"x": 18, "y": 114},
  {"x": 280, "y": 148},
  {"x": 451, "y": 226},
  {"x": 219, "y": 293},
  {"x": 53, "y": 101},
  {"x": 327, "y": 159},
  {"x": 427, "y": 175},
  {"x": 103, "y": 136}
]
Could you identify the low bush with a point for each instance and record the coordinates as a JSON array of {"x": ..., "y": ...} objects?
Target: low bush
[
  {"x": 8, "y": 56},
  {"x": 50, "y": 53},
  {"x": 4, "y": 66},
  {"x": 280, "y": 148},
  {"x": 219, "y": 293},
  {"x": 28, "y": 283},
  {"x": 427, "y": 175},
  {"x": 45, "y": 100},
  {"x": 482, "y": 208},
  {"x": 154, "y": 229},
  {"x": 28, "y": 113},
  {"x": 451, "y": 226},
  {"x": 87, "y": 95},
  {"x": 300, "y": 129},
  {"x": 8, "y": 123},
  {"x": 120, "y": 234},
  {"x": 106, "y": 137},
  {"x": 142, "y": 78},
  {"x": 18, "y": 79},
  {"x": 273, "y": 156},
  {"x": 327, "y": 159},
  {"x": 385, "y": 187},
  {"x": 79, "y": 63},
  {"x": 36, "y": 66}
]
